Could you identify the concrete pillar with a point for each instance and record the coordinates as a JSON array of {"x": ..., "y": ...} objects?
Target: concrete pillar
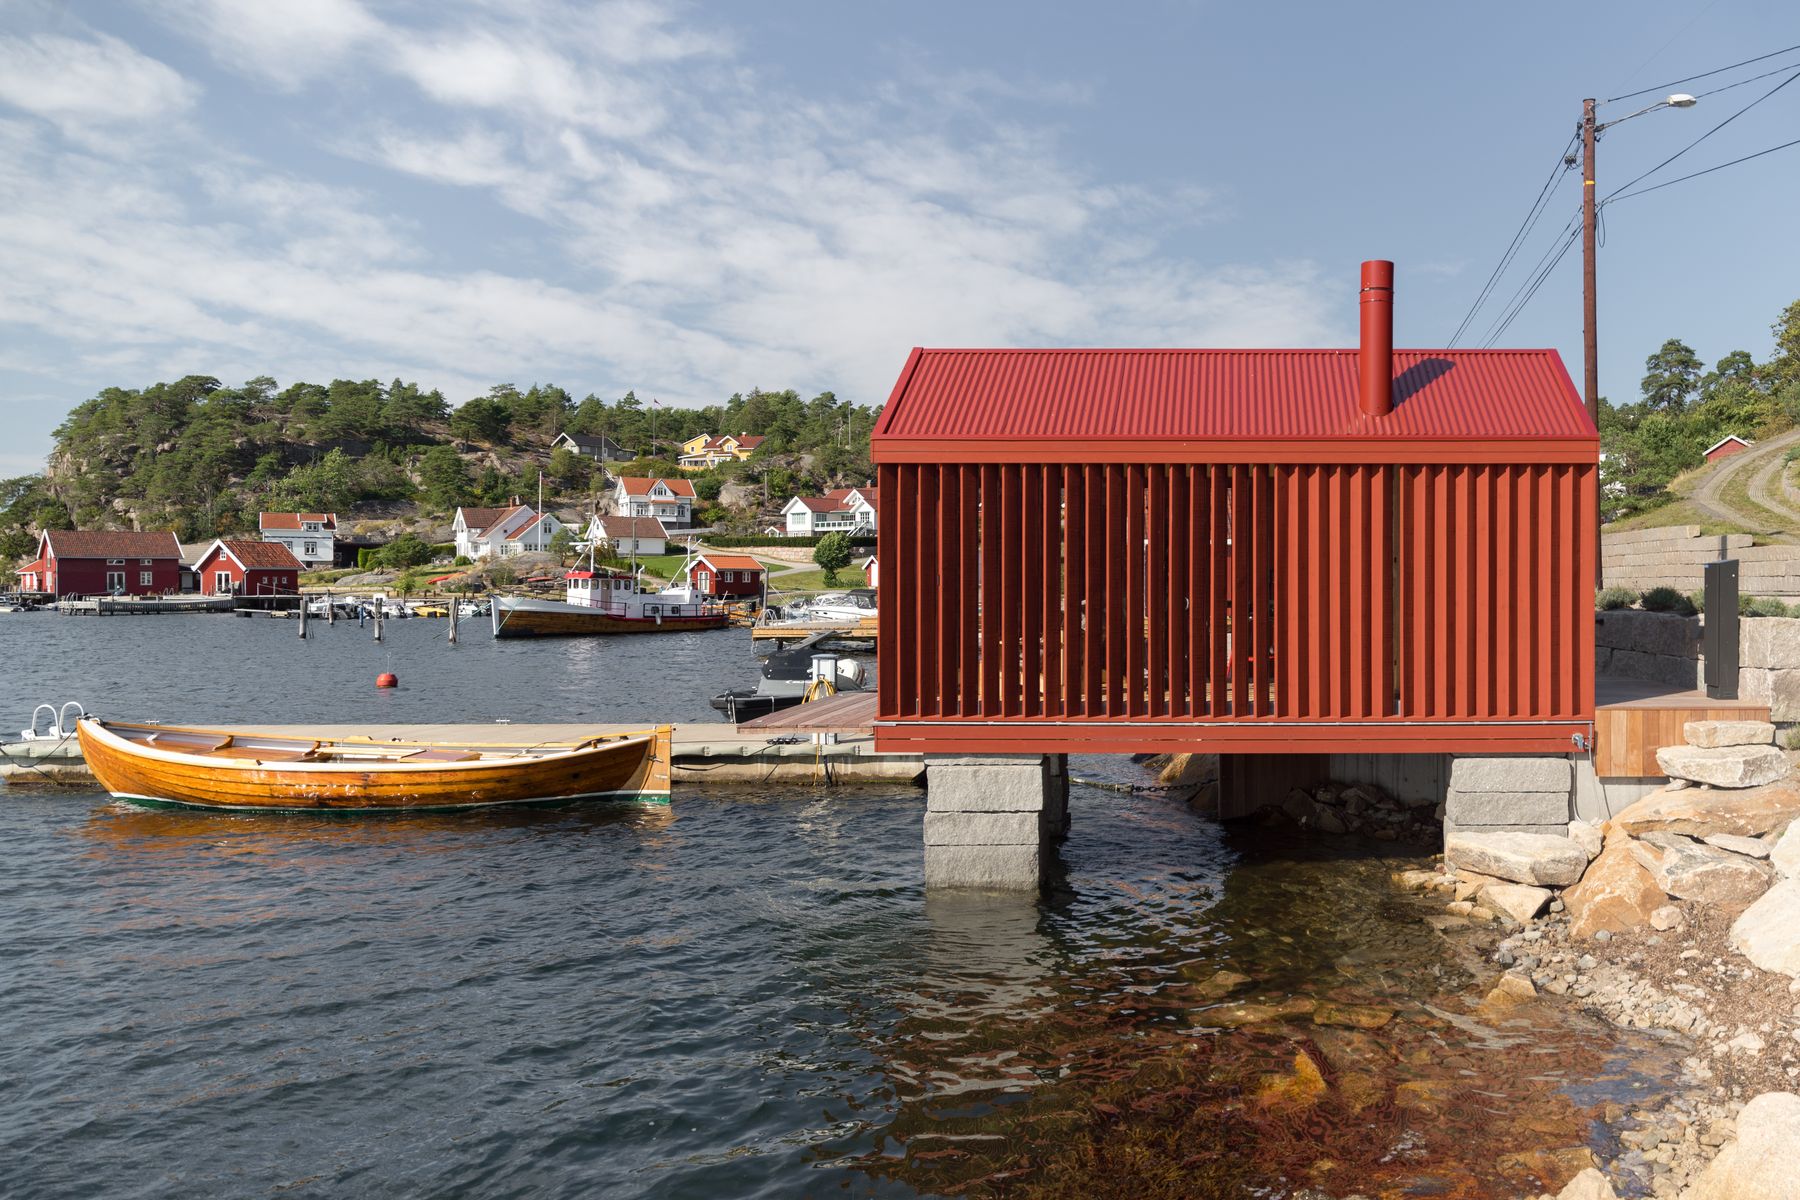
[{"x": 990, "y": 819}]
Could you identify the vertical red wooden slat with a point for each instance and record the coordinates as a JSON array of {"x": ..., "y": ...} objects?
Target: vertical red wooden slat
[
  {"x": 969, "y": 541},
  {"x": 1075, "y": 699},
  {"x": 1420, "y": 570},
  {"x": 949, "y": 590},
  {"x": 1122, "y": 562},
  {"x": 1256, "y": 629},
  {"x": 1587, "y": 499},
  {"x": 1506, "y": 624},
  {"x": 1217, "y": 678},
  {"x": 1545, "y": 535},
  {"x": 887, "y": 687},
  {"x": 1288, "y": 657},
  {"x": 906, "y": 573},
  {"x": 1134, "y": 590},
  {"x": 1240, "y": 589},
  {"x": 1357, "y": 642},
  {"x": 1156, "y": 589},
  {"x": 1317, "y": 572},
  {"x": 1441, "y": 669},
  {"x": 1339, "y": 646},
  {"x": 1481, "y": 538},
  {"x": 1200, "y": 568},
  {"x": 1098, "y": 606},
  {"x": 1181, "y": 535},
  {"x": 1009, "y": 599},
  {"x": 1469, "y": 598},
  {"x": 991, "y": 603},
  {"x": 1031, "y": 576},
  {"x": 1050, "y": 572},
  {"x": 924, "y": 645},
  {"x": 1383, "y": 592}
]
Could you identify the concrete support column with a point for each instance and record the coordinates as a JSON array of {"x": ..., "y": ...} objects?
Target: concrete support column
[{"x": 989, "y": 818}]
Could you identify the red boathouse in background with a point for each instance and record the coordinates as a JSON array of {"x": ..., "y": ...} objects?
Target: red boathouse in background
[
  {"x": 103, "y": 562},
  {"x": 1239, "y": 551}
]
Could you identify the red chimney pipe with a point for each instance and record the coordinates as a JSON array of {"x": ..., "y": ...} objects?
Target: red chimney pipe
[{"x": 1376, "y": 357}]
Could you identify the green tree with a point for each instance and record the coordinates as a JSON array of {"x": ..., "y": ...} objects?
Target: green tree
[
  {"x": 1672, "y": 376},
  {"x": 485, "y": 418},
  {"x": 568, "y": 468},
  {"x": 444, "y": 476},
  {"x": 833, "y": 553},
  {"x": 407, "y": 550},
  {"x": 563, "y": 542}
]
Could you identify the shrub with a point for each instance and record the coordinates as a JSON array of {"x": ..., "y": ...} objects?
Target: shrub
[
  {"x": 1667, "y": 599},
  {"x": 1698, "y": 600},
  {"x": 463, "y": 560},
  {"x": 833, "y": 553},
  {"x": 1615, "y": 598},
  {"x": 1761, "y": 606}
]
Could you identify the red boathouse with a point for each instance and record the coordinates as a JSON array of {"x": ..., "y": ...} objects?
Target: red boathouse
[
  {"x": 83, "y": 562},
  {"x": 727, "y": 576},
  {"x": 232, "y": 567},
  {"x": 1237, "y": 551}
]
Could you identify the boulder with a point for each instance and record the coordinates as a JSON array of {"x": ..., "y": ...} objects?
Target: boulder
[
  {"x": 1764, "y": 1162},
  {"x": 1517, "y": 900},
  {"x": 1511, "y": 774},
  {"x": 1769, "y": 642},
  {"x": 1768, "y": 932},
  {"x": 1690, "y": 870},
  {"x": 1616, "y": 894},
  {"x": 1786, "y": 854},
  {"x": 1714, "y": 734},
  {"x": 1520, "y": 857},
  {"x": 1507, "y": 808},
  {"x": 1589, "y": 836},
  {"x": 1696, "y": 812},
  {"x": 1737, "y": 843},
  {"x": 1666, "y": 918},
  {"x": 1589, "y": 1185},
  {"x": 1725, "y": 766}
]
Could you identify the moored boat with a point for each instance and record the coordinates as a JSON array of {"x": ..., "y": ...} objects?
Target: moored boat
[
  {"x": 208, "y": 768},
  {"x": 597, "y": 600}
]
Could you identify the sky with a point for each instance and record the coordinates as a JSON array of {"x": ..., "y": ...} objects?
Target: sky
[{"x": 691, "y": 200}]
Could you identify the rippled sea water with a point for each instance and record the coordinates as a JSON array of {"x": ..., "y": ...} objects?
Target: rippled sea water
[{"x": 744, "y": 993}]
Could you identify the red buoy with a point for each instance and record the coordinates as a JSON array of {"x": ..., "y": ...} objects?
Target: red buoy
[{"x": 387, "y": 679}]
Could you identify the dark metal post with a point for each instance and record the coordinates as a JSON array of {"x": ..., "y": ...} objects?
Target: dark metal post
[
  {"x": 1719, "y": 641},
  {"x": 1590, "y": 307}
]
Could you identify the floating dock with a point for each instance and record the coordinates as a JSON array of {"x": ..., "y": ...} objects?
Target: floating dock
[
  {"x": 862, "y": 630},
  {"x": 121, "y": 606},
  {"x": 827, "y": 742}
]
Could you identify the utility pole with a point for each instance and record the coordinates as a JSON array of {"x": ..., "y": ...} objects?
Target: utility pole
[{"x": 1590, "y": 300}]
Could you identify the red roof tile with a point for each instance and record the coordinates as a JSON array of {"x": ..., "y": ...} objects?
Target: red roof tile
[
  {"x": 273, "y": 520},
  {"x": 732, "y": 562},
  {"x": 1096, "y": 396},
  {"x": 111, "y": 543},
  {"x": 638, "y": 485},
  {"x": 478, "y": 520},
  {"x": 261, "y": 556},
  {"x": 632, "y": 527}
]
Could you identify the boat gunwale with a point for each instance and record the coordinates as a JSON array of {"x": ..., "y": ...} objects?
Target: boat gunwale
[{"x": 124, "y": 745}]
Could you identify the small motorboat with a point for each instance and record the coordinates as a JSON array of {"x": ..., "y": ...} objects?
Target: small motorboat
[
  {"x": 289, "y": 772},
  {"x": 789, "y": 677},
  {"x": 851, "y": 607}
]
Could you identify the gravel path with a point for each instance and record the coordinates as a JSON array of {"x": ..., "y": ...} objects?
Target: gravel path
[{"x": 1765, "y": 461}]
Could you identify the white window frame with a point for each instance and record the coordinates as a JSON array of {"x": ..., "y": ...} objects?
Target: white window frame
[
  {"x": 115, "y": 562},
  {"x": 146, "y": 579},
  {"x": 221, "y": 581},
  {"x": 115, "y": 581}
]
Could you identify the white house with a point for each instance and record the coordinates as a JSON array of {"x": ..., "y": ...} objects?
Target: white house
[
  {"x": 629, "y": 535},
  {"x": 309, "y": 537},
  {"x": 489, "y": 532},
  {"x": 670, "y": 501},
  {"x": 841, "y": 510}
]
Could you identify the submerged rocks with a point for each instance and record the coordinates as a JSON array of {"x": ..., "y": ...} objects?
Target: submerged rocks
[
  {"x": 1690, "y": 870},
  {"x": 1768, "y": 932},
  {"x": 1750, "y": 812},
  {"x": 1764, "y": 1162},
  {"x": 1590, "y": 1184},
  {"x": 1724, "y": 766},
  {"x": 1354, "y": 1016},
  {"x": 1534, "y": 858},
  {"x": 1615, "y": 895}
]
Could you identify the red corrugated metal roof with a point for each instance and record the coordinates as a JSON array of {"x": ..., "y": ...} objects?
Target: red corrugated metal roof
[{"x": 1204, "y": 394}]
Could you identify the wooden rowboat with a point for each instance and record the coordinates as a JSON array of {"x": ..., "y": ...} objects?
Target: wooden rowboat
[{"x": 209, "y": 768}]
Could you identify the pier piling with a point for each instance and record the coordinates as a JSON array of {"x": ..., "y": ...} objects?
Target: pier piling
[
  {"x": 303, "y": 616},
  {"x": 454, "y": 605},
  {"x": 378, "y": 607}
]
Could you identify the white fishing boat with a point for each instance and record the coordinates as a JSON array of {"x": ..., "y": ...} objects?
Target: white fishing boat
[{"x": 604, "y": 600}]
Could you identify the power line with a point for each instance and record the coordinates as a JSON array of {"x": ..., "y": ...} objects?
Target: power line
[
  {"x": 1722, "y": 124},
  {"x": 1518, "y": 237},
  {"x": 1708, "y": 171},
  {"x": 1523, "y": 292},
  {"x": 1567, "y": 244},
  {"x": 1702, "y": 75},
  {"x": 1742, "y": 82}
]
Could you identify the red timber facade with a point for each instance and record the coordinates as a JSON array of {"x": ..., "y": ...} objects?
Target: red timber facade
[
  {"x": 82, "y": 562},
  {"x": 247, "y": 568},
  {"x": 728, "y": 576},
  {"x": 1236, "y": 551}
]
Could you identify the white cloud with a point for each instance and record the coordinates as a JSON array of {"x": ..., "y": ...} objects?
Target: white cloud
[
  {"x": 284, "y": 42},
  {"x": 80, "y": 83}
]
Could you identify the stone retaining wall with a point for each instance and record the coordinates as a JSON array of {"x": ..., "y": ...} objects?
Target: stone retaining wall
[
  {"x": 1656, "y": 647},
  {"x": 1673, "y": 557}
]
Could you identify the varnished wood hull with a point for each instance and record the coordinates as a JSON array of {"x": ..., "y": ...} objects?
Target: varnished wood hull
[
  {"x": 624, "y": 768},
  {"x": 574, "y": 622}
]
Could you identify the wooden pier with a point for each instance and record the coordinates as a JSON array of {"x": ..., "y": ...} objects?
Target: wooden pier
[
  {"x": 125, "y": 606},
  {"x": 861, "y": 630}
]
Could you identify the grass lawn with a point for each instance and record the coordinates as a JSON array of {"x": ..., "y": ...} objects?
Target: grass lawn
[
  {"x": 1681, "y": 512},
  {"x": 814, "y": 581},
  {"x": 663, "y": 566}
]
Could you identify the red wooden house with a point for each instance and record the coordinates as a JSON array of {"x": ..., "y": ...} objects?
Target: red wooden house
[
  {"x": 1725, "y": 447},
  {"x": 728, "y": 576},
  {"x": 1237, "y": 551},
  {"x": 82, "y": 562},
  {"x": 233, "y": 567}
]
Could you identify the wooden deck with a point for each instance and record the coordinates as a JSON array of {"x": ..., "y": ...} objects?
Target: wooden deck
[
  {"x": 848, "y": 712},
  {"x": 1633, "y": 719}
]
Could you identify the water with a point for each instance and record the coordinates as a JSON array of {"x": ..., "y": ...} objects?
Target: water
[{"x": 745, "y": 993}]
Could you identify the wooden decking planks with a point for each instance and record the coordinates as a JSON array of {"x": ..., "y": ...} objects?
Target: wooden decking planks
[{"x": 1633, "y": 719}]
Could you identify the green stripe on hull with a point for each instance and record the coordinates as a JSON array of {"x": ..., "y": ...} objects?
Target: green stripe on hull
[{"x": 162, "y": 802}]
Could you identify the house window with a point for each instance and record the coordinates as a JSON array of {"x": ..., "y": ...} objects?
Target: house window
[
  {"x": 145, "y": 578},
  {"x": 311, "y": 550},
  {"x": 221, "y": 581},
  {"x": 115, "y": 581},
  {"x": 145, "y": 562},
  {"x": 115, "y": 562}
]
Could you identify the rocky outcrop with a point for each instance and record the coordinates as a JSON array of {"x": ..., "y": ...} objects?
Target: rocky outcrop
[
  {"x": 1764, "y": 1162},
  {"x": 1724, "y": 766},
  {"x": 1616, "y": 894},
  {"x": 1533, "y": 858},
  {"x": 1750, "y": 812},
  {"x": 1768, "y": 932},
  {"x": 1690, "y": 870}
]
